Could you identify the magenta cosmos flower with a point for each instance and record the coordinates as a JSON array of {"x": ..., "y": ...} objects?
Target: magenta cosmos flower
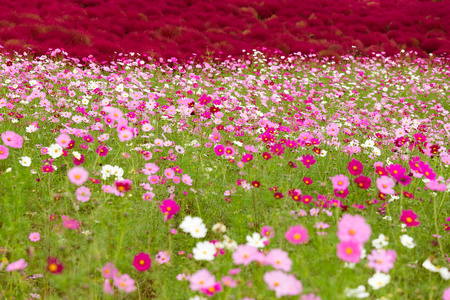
[
  {"x": 308, "y": 160},
  {"x": 142, "y": 262},
  {"x": 297, "y": 235},
  {"x": 353, "y": 228},
  {"x": 78, "y": 175},
  {"x": 409, "y": 218},
  {"x": 349, "y": 251},
  {"x": 169, "y": 208},
  {"x": 363, "y": 182},
  {"x": 102, "y": 150},
  {"x": 12, "y": 139},
  {"x": 340, "y": 182},
  {"x": 355, "y": 167}
]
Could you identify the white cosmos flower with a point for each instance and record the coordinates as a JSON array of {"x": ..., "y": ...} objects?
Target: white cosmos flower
[
  {"x": 55, "y": 151},
  {"x": 379, "y": 280},
  {"x": 255, "y": 240},
  {"x": 229, "y": 244},
  {"x": 76, "y": 154},
  {"x": 25, "y": 161},
  {"x": 407, "y": 241},
  {"x": 429, "y": 266},
  {"x": 204, "y": 251},
  {"x": 219, "y": 227},
  {"x": 359, "y": 292},
  {"x": 194, "y": 226},
  {"x": 380, "y": 242}
]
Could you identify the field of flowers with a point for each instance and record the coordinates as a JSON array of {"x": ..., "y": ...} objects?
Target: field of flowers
[{"x": 258, "y": 177}]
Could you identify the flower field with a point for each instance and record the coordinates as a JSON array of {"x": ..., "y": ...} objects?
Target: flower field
[{"x": 254, "y": 177}]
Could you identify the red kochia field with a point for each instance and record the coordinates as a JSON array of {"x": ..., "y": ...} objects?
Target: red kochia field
[
  {"x": 259, "y": 177},
  {"x": 180, "y": 28}
]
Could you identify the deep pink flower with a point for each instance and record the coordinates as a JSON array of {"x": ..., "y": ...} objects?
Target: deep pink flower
[
  {"x": 169, "y": 208},
  {"x": 363, "y": 182},
  {"x": 308, "y": 160},
  {"x": 349, "y": 251},
  {"x": 123, "y": 185},
  {"x": 267, "y": 232},
  {"x": 142, "y": 262},
  {"x": 427, "y": 171},
  {"x": 409, "y": 218},
  {"x": 102, "y": 150},
  {"x": 297, "y": 235},
  {"x": 210, "y": 291},
  {"x": 355, "y": 167},
  {"x": 77, "y": 161}
]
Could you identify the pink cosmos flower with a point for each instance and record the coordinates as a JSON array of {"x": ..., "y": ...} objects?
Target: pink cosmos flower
[
  {"x": 78, "y": 175},
  {"x": 201, "y": 279},
  {"x": 107, "y": 287},
  {"x": 229, "y": 281},
  {"x": 34, "y": 236},
  {"x": 409, "y": 218},
  {"x": 4, "y": 152},
  {"x": 229, "y": 151},
  {"x": 186, "y": 179},
  {"x": 267, "y": 232},
  {"x": 355, "y": 167},
  {"x": 310, "y": 296},
  {"x": 83, "y": 194},
  {"x": 382, "y": 260},
  {"x": 109, "y": 271},
  {"x": 446, "y": 294},
  {"x": 125, "y": 135},
  {"x": 12, "y": 139},
  {"x": 142, "y": 262},
  {"x": 125, "y": 283},
  {"x": 385, "y": 185},
  {"x": 283, "y": 284},
  {"x": 16, "y": 266},
  {"x": 150, "y": 168},
  {"x": 169, "y": 173},
  {"x": 297, "y": 235},
  {"x": 353, "y": 228},
  {"x": 434, "y": 185},
  {"x": 162, "y": 257},
  {"x": 148, "y": 196},
  {"x": 244, "y": 255},
  {"x": 349, "y": 251},
  {"x": 279, "y": 260},
  {"x": 340, "y": 182},
  {"x": 63, "y": 140}
]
